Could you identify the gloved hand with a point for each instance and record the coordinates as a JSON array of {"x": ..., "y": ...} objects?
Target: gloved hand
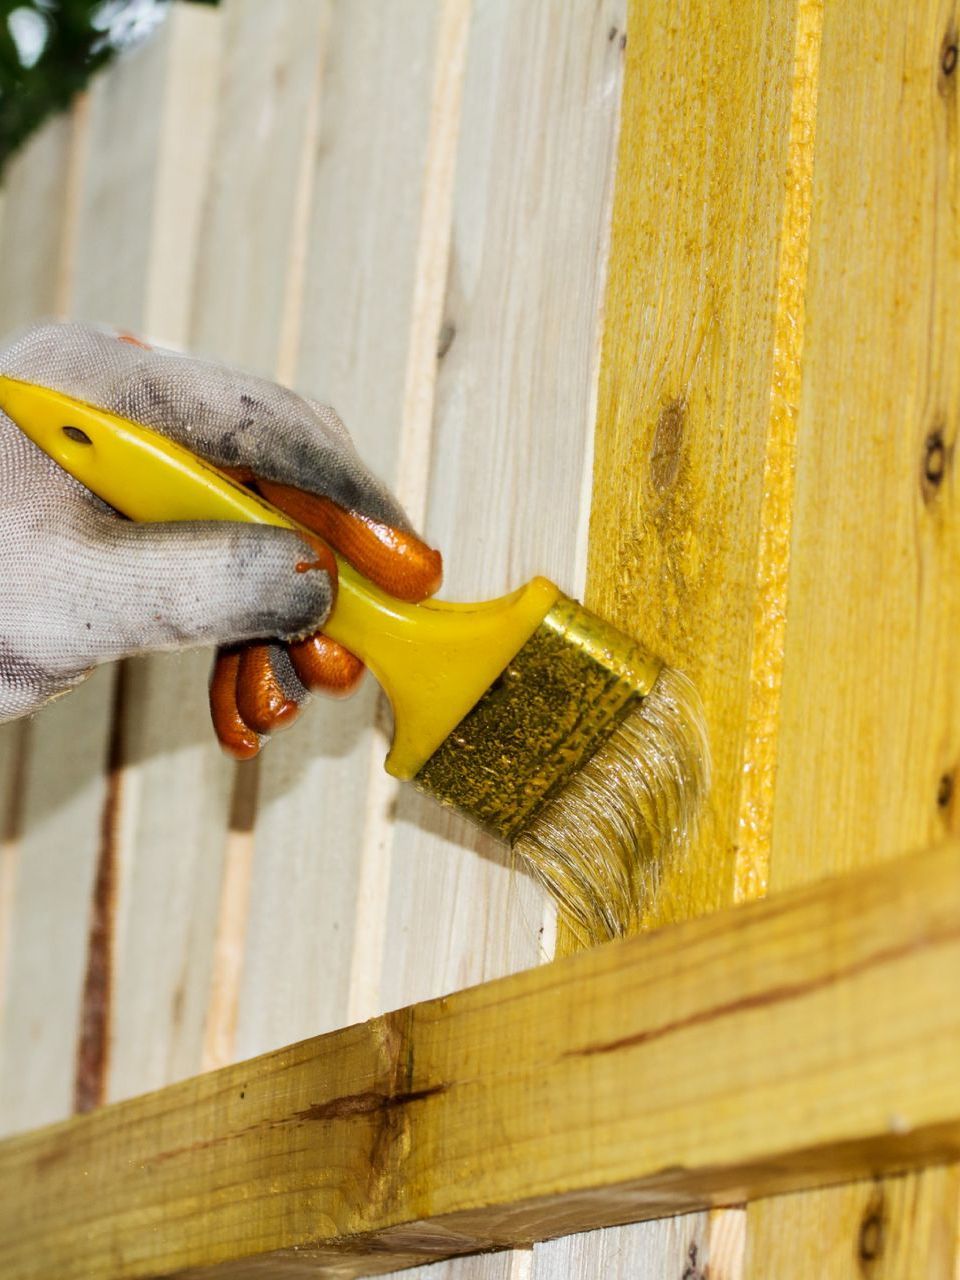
[{"x": 80, "y": 585}]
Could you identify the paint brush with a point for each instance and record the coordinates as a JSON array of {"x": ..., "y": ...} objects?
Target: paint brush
[{"x": 549, "y": 727}]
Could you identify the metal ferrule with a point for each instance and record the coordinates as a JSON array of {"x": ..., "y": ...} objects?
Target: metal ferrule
[{"x": 558, "y": 700}]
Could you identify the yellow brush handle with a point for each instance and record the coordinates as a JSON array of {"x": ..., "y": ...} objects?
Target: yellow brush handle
[{"x": 434, "y": 660}]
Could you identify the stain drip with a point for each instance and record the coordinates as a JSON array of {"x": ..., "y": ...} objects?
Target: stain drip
[{"x": 93, "y": 1046}]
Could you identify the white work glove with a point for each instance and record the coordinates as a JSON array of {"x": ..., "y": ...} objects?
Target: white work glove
[{"x": 81, "y": 585}]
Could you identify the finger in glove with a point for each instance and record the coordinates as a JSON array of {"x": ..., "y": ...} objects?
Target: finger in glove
[
  {"x": 233, "y": 733},
  {"x": 393, "y": 559},
  {"x": 264, "y": 701},
  {"x": 397, "y": 561},
  {"x": 324, "y": 666}
]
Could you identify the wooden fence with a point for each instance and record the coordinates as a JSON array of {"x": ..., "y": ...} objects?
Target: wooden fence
[{"x": 406, "y": 208}]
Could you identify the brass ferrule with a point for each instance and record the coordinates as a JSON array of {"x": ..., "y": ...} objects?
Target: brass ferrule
[{"x": 557, "y": 701}]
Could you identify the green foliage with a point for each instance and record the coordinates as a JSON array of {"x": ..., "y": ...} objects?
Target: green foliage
[{"x": 50, "y": 48}]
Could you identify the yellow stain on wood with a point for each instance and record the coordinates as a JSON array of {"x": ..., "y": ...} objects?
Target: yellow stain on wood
[
  {"x": 699, "y": 387},
  {"x": 870, "y": 721},
  {"x": 869, "y": 732},
  {"x": 888, "y": 1229},
  {"x": 810, "y": 1038},
  {"x": 776, "y": 508},
  {"x": 816, "y": 609}
]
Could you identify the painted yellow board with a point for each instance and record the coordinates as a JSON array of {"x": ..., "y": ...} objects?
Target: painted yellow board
[
  {"x": 693, "y": 445},
  {"x": 869, "y": 731},
  {"x": 817, "y": 1033},
  {"x": 884, "y": 1229},
  {"x": 707, "y": 382}
]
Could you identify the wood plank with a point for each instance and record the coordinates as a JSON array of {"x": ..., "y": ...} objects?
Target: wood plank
[
  {"x": 166, "y": 852},
  {"x": 516, "y": 373},
  {"x": 412, "y": 479},
  {"x": 33, "y": 237},
  {"x": 692, "y": 439},
  {"x": 358, "y": 292},
  {"x": 61, "y": 987},
  {"x": 50, "y": 817},
  {"x": 515, "y": 401},
  {"x": 883, "y": 1229},
  {"x": 677, "y": 1247},
  {"x": 874, "y": 596},
  {"x": 248, "y": 313},
  {"x": 874, "y": 607},
  {"x": 701, "y": 354},
  {"x": 818, "y": 1035},
  {"x": 267, "y": 63}
]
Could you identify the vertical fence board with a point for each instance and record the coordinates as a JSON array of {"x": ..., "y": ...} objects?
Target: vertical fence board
[
  {"x": 171, "y": 786},
  {"x": 249, "y": 272},
  {"x": 52, "y": 817},
  {"x": 69, "y": 818},
  {"x": 514, "y": 408},
  {"x": 890, "y": 1229},
  {"x": 694, "y": 439},
  {"x": 358, "y": 294},
  {"x": 515, "y": 400},
  {"x": 33, "y": 236},
  {"x": 677, "y": 1248},
  {"x": 870, "y": 731}
]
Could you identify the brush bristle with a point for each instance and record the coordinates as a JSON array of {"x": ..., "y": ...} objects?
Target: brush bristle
[{"x": 598, "y": 846}]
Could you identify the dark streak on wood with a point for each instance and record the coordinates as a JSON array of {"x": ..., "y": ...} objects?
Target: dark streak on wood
[
  {"x": 93, "y": 1046},
  {"x": 244, "y": 796},
  {"x": 770, "y": 996},
  {"x": 666, "y": 450},
  {"x": 12, "y": 824},
  {"x": 872, "y": 1233},
  {"x": 367, "y": 1103}
]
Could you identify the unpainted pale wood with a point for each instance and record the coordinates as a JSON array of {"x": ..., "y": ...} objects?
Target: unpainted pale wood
[
  {"x": 810, "y": 1038},
  {"x": 116, "y": 227},
  {"x": 166, "y": 850},
  {"x": 677, "y": 1248},
  {"x": 514, "y": 405},
  {"x": 51, "y": 810},
  {"x": 256, "y": 86},
  {"x": 412, "y": 475},
  {"x": 363, "y": 231},
  {"x": 247, "y": 312},
  {"x": 33, "y": 234}
]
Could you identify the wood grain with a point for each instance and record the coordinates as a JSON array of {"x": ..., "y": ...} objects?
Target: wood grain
[
  {"x": 874, "y": 596},
  {"x": 703, "y": 337},
  {"x": 33, "y": 234},
  {"x": 167, "y": 854},
  {"x": 690, "y": 433},
  {"x": 515, "y": 396},
  {"x": 816, "y": 1031},
  {"x": 869, "y": 737},
  {"x": 884, "y": 1229},
  {"x": 53, "y": 820},
  {"x": 367, "y": 171}
]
